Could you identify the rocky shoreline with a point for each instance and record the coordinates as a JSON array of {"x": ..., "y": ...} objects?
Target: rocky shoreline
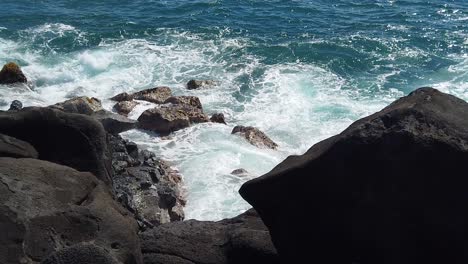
[{"x": 388, "y": 189}]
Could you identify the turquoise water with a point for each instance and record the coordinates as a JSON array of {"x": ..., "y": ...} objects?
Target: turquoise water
[{"x": 299, "y": 70}]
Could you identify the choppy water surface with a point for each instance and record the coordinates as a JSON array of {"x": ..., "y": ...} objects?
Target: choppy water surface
[{"x": 299, "y": 70}]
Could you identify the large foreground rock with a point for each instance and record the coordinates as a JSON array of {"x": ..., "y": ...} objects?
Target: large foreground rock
[
  {"x": 254, "y": 136},
  {"x": 391, "y": 188},
  {"x": 11, "y": 73},
  {"x": 240, "y": 240},
  {"x": 46, "y": 207},
  {"x": 15, "y": 148},
  {"x": 75, "y": 140}
]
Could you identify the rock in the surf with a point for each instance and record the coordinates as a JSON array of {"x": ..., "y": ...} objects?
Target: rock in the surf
[
  {"x": 192, "y": 101},
  {"x": 80, "y": 105},
  {"x": 390, "y": 188},
  {"x": 11, "y": 73},
  {"x": 114, "y": 123},
  {"x": 196, "y": 84},
  {"x": 157, "y": 95},
  {"x": 15, "y": 105},
  {"x": 218, "y": 118},
  {"x": 125, "y": 107},
  {"x": 122, "y": 97},
  {"x": 255, "y": 137}
]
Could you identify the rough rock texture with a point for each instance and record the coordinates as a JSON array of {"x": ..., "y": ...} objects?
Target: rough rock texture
[
  {"x": 11, "y": 73},
  {"x": 125, "y": 107},
  {"x": 388, "y": 189},
  {"x": 15, "y": 148},
  {"x": 16, "y": 105},
  {"x": 192, "y": 101},
  {"x": 81, "y": 254},
  {"x": 114, "y": 123},
  {"x": 195, "y": 84},
  {"x": 218, "y": 118},
  {"x": 145, "y": 185},
  {"x": 45, "y": 207},
  {"x": 255, "y": 137},
  {"x": 156, "y": 95},
  {"x": 164, "y": 120},
  {"x": 79, "y": 105},
  {"x": 240, "y": 240},
  {"x": 122, "y": 97},
  {"x": 75, "y": 140}
]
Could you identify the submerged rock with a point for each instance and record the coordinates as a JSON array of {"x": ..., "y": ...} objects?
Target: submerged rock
[
  {"x": 80, "y": 105},
  {"x": 255, "y": 137},
  {"x": 195, "y": 84},
  {"x": 114, "y": 123},
  {"x": 145, "y": 185},
  {"x": 125, "y": 107},
  {"x": 15, "y": 105},
  {"x": 11, "y": 73},
  {"x": 243, "y": 239},
  {"x": 47, "y": 208},
  {"x": 156, "y": 95},
  {"x": 388, "y": 189},
  {"x": 74, "y": 140},
  {"x": 218, "y": 118},
  {"x": 15, "y": 148}
]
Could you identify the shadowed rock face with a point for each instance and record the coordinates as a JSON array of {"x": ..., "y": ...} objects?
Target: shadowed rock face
[
  {"x": 388, "y": 189},
  {"x": 218, "y": 118},
  {"x": 11, "y": 73},
  {"x": 46, "y": 207},
  {"x": 243, "y": 239},
  {"x": 15, "y": 148},
  {"x": 74, "y": 140}
]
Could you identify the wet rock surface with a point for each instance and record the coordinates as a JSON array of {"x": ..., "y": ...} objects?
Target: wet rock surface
[
  {"x": 15, "y": 105},
  {"x": 114, "y": 123},
  {"x": 157, "y": 95},
  {"x": 11, "y": 73},
  {"x": 255, "y": 137},
  {"x": 218, "y": 118},
  {"x": 80, "y": 105},
  {"x": 125, "y": 107},
  {"x": 197, "y": 84}
]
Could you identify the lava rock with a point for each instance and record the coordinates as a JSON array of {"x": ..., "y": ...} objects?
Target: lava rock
[
  {"x": 80, "y": 105},
  {"x": 74, "y": 140},
  {"x": 125, "y": 107},
  {"x": 11, "y": 73},
  {"x": 15, "y": 148},
  {"x": 218, "y": 118},
  {"x": 114, "y": 123},
  {"x": 255, "y": 137},
  {"x": 243, "y": 239},
  {"x": 15, "y": 105},
  {"x": 122, "y": 97},
  {"x": 156, "y": 95},
  {"x": 46, "y": 207},
  {"x": 388, "y": 189},
  {"x": 195, "y": 84}
]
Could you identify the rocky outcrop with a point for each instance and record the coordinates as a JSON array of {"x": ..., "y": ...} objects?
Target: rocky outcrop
[
  {"x": 146, "y": 185},
  {"x": 74, "y": 140},
  {"x": 196, "y": 84},
  {"x": 16, "y": 105},
  {"x": 122, "y": 97},
  {"x": 156, "y": 95},
  {"x": 114, "y": 123},
  {"x": 80, "y": 105},
  {"x": 50, "y": 212},
  {"x": 255, "y": 137},
  {"x": 218, "y": 118},
  {"x": 388, "y": 189},
  {"x": 15, "y": 148},
  {"x": 125, "y": 107},
  {"x": 191, "y": 101},
  {"x": 163, "y": 120},
  {"x": 243, "y": 239},
  {"x": 11, "y": 73}
]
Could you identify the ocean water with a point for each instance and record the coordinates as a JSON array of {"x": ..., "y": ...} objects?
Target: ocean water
[{"x": 301, "y": 71}]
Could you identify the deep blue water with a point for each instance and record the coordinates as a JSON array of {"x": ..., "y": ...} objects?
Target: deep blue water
[{"x": 299, "y": 70}]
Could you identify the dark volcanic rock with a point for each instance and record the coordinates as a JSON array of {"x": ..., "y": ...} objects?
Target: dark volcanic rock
[
  {"x": 145, "y": 185},
  {"x": 255, "y": 137},
  {"x": 192, "y": 101},
  {"x": 74, "y": 140},
  {"x": 243, "y": 239},
  {"x": 164, "y": 120},
  {"x": 81, "y": 254},
  {"x": 195, "y": 84},
  {"x": 15, "y": 105},
  {"x": 122, "y": 97},
  {"x": 125, "y": 107},
  {"x": 11, "y": 73},
  {"x": 46, "y": 207},
  {"x": 15, "y": 148},
  {"x": 218, "y": 118},
  {"x": 79, "y": 105},
  {"x": 114, "y": 123},
  {"x": 156, "y": 95},
  {"x": 388, "y": 189}
]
